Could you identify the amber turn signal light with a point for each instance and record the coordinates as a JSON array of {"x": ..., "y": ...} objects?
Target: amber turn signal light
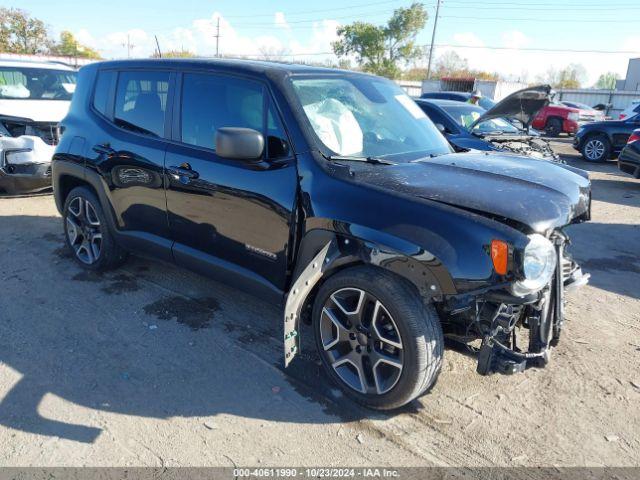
[{"x": 500, "y": 256}]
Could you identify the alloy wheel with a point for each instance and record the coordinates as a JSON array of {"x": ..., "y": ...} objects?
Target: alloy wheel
[
  {"x": 84, "y": 230},
  {"x": 361, "y": 341},
  {"x": 594, "y": 149}
]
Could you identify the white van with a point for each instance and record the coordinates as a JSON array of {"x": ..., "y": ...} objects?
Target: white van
[{"x": 34, "y": 97}]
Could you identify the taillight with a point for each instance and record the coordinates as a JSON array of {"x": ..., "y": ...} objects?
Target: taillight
[
  {"x": 635, "y": 136},
  {"x": 622, "y": 116}
]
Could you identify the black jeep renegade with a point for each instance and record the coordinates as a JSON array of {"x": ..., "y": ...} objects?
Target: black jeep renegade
[{"x": 332, "y": 193}]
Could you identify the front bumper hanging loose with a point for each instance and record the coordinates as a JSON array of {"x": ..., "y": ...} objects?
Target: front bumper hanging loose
[
  {"x": 499, "y": 352},
  {"x": 25, "y": 164}
]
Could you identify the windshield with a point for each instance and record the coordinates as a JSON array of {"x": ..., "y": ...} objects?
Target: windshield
[
  {"x": 466, "y": 115},
  {"x": 26, "y": 83},
  {"x": 367, "y": 117}
]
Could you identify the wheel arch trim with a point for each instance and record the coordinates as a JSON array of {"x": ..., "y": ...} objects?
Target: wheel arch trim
[{"x": 323, "y": 253}]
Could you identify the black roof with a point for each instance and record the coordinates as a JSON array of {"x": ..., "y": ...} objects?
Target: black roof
[
  {"x": 443, "y": 102},
  {"x": 238, "y": 65}
]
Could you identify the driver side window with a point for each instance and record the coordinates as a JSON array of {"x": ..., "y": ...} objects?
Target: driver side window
[{"x": 210, "y": 102}]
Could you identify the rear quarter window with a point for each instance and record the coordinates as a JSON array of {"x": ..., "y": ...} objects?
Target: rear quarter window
[{"x": 102, "y": 91}]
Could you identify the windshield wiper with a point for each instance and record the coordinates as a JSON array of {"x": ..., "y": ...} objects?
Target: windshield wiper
[{"x": 370, "y": 159}]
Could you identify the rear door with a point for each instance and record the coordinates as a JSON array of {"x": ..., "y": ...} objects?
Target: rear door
[
  {"x": 230, "y": 219},
  {"x": 131, "y": 152}
]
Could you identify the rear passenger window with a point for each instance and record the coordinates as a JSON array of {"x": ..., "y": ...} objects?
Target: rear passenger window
[
  {"x": 102, "y": 90},
  {"x": 211, "y": 102},
  {"x": 141, "y": 101}
]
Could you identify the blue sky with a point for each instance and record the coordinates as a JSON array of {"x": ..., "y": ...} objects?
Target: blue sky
[{"x": 304, "y": 30}]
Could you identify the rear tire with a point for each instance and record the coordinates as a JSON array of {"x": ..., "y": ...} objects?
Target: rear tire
[
  {"x": 383, "y": 347},
  {"x": 87, "y": 233},
  {"x": 596, "y": 148},
  {"x": 553, "y": 127}
]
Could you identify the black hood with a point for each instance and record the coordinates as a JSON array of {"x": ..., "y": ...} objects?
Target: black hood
[
  {"x": 522, "y": 105},
  {"x": 536, "y": 193}
]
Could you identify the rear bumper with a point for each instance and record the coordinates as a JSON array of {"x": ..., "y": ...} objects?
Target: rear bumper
[{"x": 631, "y": 168}]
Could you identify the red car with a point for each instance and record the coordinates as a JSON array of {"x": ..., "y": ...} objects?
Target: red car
[{"x": 555, "y": 119}]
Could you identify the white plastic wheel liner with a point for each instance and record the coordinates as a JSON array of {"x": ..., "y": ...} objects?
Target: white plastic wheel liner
[{"x": 336, "y": 126}]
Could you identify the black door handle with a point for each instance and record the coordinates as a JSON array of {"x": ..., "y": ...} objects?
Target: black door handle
[
  {"x": 183, "y": 170},
  {"x": 104, "y": 149}
]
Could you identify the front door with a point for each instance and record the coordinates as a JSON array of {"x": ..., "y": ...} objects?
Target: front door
[{"x": 231, "y": 219}]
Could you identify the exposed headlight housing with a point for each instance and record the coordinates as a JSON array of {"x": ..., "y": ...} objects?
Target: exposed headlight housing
[
  {"x": 573, "y": 116},
  {"x": 538, "y": 265}
]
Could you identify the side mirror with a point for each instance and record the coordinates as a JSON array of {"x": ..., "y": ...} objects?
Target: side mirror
[
  {"x": 441, "y": 128},
  {"x": 239, "y": 143}
]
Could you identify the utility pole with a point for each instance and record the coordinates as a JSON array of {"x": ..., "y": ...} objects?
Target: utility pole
[
  {"x": 433, "y": 40},
  {"x": 129, "y": 46},
  {"x": 217, "y": 35}
]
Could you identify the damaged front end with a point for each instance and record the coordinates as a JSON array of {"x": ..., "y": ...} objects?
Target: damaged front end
[
  {"x": 516, "y": 332},
  {"x": 528, "y": 145},
  {"x": 26, "y": 149}
]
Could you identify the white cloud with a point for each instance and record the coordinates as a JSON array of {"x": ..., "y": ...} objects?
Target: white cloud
[
  {"x": 280, "y": 21},
  {"x": 199, "y": 38},
  {"x": 515, "y": 39},
  {"x": 517, "y": 64},
  {"x": 467, "y": 38}
]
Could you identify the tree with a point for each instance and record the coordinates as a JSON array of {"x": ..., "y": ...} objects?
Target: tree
[
  {"x": 383, "y": 49},
  {"x": 607, "y": 81},
  {"x": 274, "y": 54},
  {"x": 20, "y": 33},
  {"x": 182, "y": 53},
  {"x": 450, "y": 64},
  {"x": 571, "y": 76},
  {"x": 70, "y": 47}
]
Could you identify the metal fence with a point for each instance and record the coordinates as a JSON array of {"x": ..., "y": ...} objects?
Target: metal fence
[
  {"x": 617, "y": 100},
  {"x": 497, "y": 90},
  {"x": 413, "y": 89}
]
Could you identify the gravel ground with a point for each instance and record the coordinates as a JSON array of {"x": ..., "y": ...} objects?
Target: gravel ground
[{"x": 151, "y": 365}]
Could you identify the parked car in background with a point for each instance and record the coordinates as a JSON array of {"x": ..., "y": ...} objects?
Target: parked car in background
[
  {"x": 587, "y": 113},
  {"x": 470, "y": 127},
  {"x": 34, "y": 97},
  {"x": 555, "y": 119},
  {"x": 629, "y": 159},
  {"x": 631, "y": 110},
  {"x": 332, "y": 194},
  {"x": 484, "y": 102},
  {"x": 601, "y": 141}
]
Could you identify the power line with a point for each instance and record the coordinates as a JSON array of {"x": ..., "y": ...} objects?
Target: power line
[
  {"x": 318, "y": 11},
  {"x": 479, "y": 47},
  {"x": 542, "y": 20}
]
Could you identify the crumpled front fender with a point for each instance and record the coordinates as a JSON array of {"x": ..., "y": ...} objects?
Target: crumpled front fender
[{"x": 324, "y": 252}]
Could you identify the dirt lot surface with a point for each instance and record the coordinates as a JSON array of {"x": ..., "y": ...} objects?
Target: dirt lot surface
[{"x": 151, "y": 365}]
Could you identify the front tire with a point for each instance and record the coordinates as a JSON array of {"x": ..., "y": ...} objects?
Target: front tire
[
  {"x": 553, "y": 127},
  {"x": 376, "y": 338},
  {"x": 87, "y": 233},
  {"x": 596, "y": 148}
]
